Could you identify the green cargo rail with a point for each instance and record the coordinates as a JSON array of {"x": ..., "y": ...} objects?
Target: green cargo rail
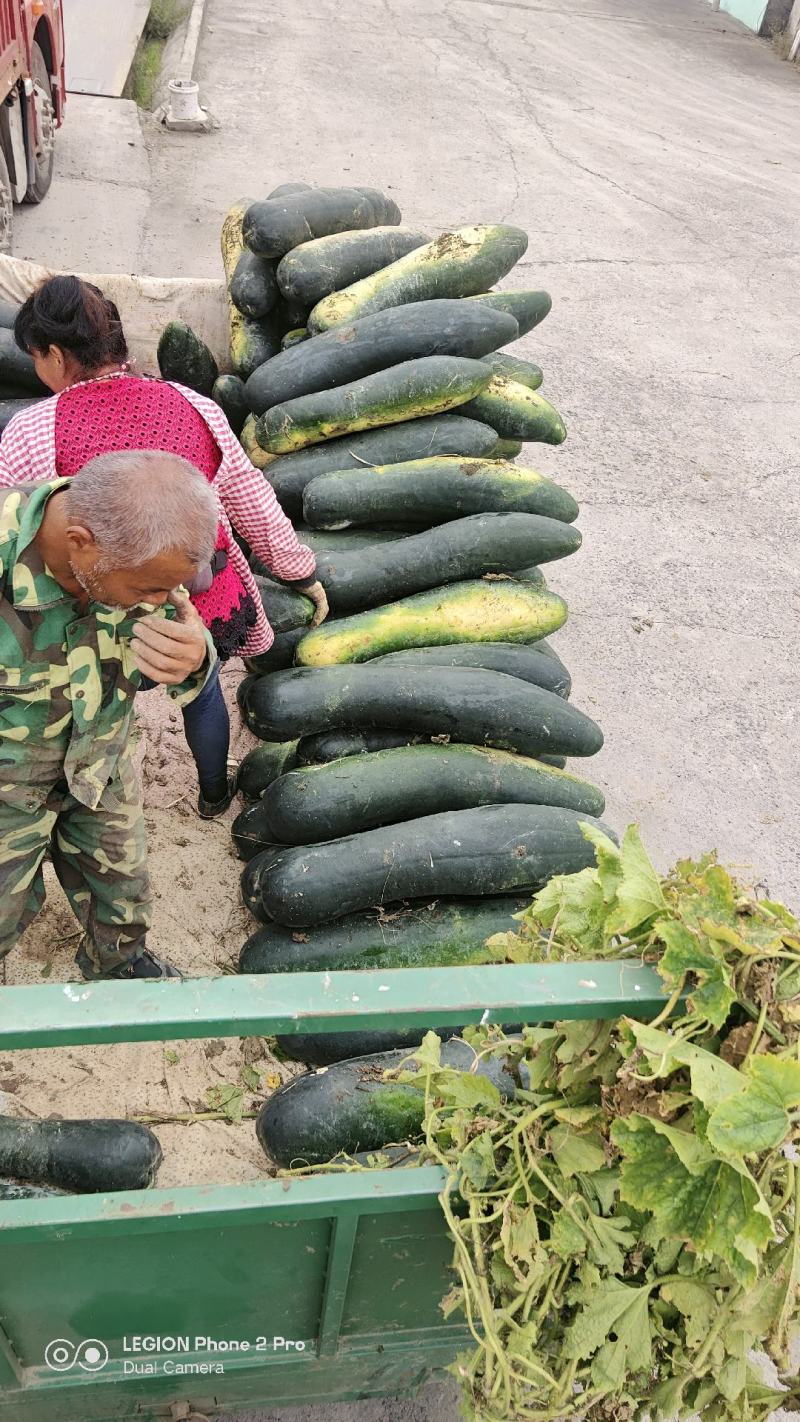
[{"x": 206, "y": 1300}]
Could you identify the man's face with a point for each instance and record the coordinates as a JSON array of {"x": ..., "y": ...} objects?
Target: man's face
[{"x": 150, "y": 582}]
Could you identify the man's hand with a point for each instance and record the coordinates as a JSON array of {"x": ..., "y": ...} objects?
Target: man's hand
[
  {"x": 317, "y": 594},
  {"x": 169, "y": 652}
]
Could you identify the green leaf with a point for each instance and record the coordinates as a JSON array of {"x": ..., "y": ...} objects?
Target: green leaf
[
  {"x": 616, "y": 1309},
  {"x": 779, "y": 1075},
  {"x": 171, "y": 1057},
  {"x": 715, "y": 1205},
  {"x": 697, "y": 1303},
  {"x": 788, "y": 986},
  {"x": 608, "y": 858},
  {"x": 713, "y": 1080},
  {"x": 609, "y": 1241},
  {"x": 503, "y": 1278},
  {"x": 757, "y": 1119},
  {"x": 579, "y": 1037},
  {"x": 576, "y": 901},
  {"x": 688, "y": 952},
  {"x": 539, "y": 1064},
  {"x": 477, "y": 1160},
  {"x": 520, "y": 1235},
  {"x": 464, "y": 1088},
  {"x": 228, "y": 1100},
  {"x": 429, "y": 1052},
  {"x": 766, "y": 1400},
  {"x": 732, "y": 1377},
  {"x": 756, "y": 1313},
  {"x": 511, "y": 948},
  {"x": 667, "y": 1251},
  {"x": 666, "y": 1400},
  {"x": 609, "y": 1366},
  {"x": 576, "y": 1153},
  {"x": 577, "y": 1115},
  {"x": 603, "y": 1187},
  {"x": 638, "y": 892},
  {"x": 567, "y": 1239},
  {"x": 250, "y": 1078},
  {"x": 522, "y": 1341},
  {"x": 779, "y": 911}
]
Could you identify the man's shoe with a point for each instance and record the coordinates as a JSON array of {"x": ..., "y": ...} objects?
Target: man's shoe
[
  {"x": 147, "y": 965},
  {"x": 209, "y": 809}
]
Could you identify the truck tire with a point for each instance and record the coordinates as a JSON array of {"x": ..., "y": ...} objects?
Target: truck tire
[
  {"x": 6, "y": 206},
  {"x": 45, "y": 153}
]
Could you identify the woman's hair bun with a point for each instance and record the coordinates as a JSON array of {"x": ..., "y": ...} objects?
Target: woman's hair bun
[{"x": 74, "y": 315}]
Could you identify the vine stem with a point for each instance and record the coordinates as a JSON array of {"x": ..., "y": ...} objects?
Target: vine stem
[
  {"x": 490, "y": 1343},
  {"x": 768, "y": 1027},
  {"x": 781, "y": 1330},
  {"x": 788, "y": 1191},
  {"x": 756, "y": 1037},
  {"x": 493, "y": 1341},
  {"x": 719, "y": 1323},
  {"x": 463, "y": 1264},
  {"x": 540, "y": 1175},
  {"x": 557, "y": 1282},
  {"x": 667, "y": 1011}
]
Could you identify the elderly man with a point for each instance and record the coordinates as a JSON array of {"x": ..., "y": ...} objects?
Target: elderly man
[{"x": 83, "y": 563}]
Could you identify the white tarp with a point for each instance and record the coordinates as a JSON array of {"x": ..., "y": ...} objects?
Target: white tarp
[{"x": 145, "y": 304}]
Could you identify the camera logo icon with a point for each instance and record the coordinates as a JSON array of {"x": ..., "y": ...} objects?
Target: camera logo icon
[{"x": 91, "y": 1355}]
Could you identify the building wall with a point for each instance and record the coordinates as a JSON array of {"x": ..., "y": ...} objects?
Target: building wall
[
  {"x": 750, "y": 12},
  {"x": 760, "y": 16}
]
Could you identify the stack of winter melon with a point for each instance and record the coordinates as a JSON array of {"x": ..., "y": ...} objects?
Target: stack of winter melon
[{"x": 413, "y": 745}]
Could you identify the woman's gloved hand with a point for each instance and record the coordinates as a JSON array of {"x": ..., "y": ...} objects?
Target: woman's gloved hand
[{"x": 317, "y": 594}]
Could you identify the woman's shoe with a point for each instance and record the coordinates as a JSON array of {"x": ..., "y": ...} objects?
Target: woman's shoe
[{"x": 209, "y": 809}]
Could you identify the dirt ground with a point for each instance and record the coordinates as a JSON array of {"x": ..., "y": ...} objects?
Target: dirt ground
[{"x": 200, "y": 924}]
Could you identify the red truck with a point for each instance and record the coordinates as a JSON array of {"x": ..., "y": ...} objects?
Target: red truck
[{"x": 32, "y": 97}]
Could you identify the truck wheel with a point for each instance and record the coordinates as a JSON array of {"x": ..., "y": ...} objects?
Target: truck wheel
[
  {"x": 46, "y": 122},
  {"x": 6, "y": 207}
]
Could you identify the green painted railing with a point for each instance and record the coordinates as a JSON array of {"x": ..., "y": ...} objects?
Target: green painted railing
[
  {"x": 278, "y": 1003},
  {"x": 350, "y": 1268}
]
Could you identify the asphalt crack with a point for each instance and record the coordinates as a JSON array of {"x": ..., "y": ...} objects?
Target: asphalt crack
[{"x": 531, "y": 111}]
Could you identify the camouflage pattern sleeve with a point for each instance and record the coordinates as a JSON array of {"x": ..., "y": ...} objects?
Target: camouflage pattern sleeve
[
  {"x": 67, "y": 675},
  {"x": 187, "y": 690}
]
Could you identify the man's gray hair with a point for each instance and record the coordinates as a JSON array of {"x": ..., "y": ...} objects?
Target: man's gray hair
[{"x": 141, "y": 503}]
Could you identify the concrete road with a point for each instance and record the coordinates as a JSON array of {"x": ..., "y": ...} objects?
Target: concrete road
[
  {"x": 94, "y": 217},
  {"x": 652, "y": 151}
]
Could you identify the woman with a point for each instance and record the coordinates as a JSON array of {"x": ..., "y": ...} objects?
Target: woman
[{"x": 75, "y": 337}]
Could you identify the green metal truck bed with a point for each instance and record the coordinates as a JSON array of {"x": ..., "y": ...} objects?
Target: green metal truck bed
[{"x": 157, "y": 1303}]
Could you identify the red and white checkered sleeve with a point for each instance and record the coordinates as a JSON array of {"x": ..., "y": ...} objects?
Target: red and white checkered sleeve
[
  {"x": 251, "y": 505},
  {"x": 27, "y": 448}
]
